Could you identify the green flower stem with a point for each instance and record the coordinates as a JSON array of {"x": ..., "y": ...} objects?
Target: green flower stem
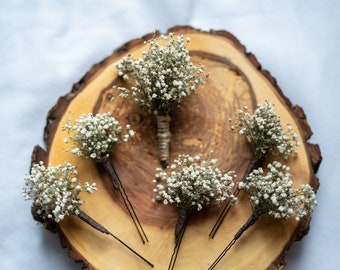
[
  {"x": 163, "y": 136},
  {"x": 254, "y": 163},
  {"x": 117, "y": 184},
  {"x": 90, "y": 221},
  {"x": 251, "y": 221},
  {"x": 181, "y": 225}
]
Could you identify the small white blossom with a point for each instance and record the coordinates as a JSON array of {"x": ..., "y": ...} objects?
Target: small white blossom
[
  {"x": 264, "y": 131},
  {"x": 192, "y": 183},
  {"x": 273, "y": 193},
  {"x": 54, "y": 190},
  {"x": 90, "y": 187},
  {"x": 94, "y": 136},
  {"x": 164, "y": 75}
]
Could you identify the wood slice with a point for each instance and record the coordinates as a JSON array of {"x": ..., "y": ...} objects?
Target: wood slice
[{"x": 199, "y": 124}]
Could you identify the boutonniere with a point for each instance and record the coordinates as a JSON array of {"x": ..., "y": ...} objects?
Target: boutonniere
[{"x": 163, "y": 76}]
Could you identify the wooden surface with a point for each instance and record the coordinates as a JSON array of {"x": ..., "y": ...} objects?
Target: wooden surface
[{"x": 199, "y": 125}]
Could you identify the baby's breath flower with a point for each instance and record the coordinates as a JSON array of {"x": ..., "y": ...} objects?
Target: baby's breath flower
[
  {"x": 265, "y": 133},
  {"x": 164, "y": 75},
  {"x": 272, "y": 193},
  {"x": 193, "y": 183},
  {"x": 54, "y": 190},
  {"x": 94, "y": 136}
]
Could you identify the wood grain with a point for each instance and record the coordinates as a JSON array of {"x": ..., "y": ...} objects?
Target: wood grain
[{"x": 199, "y": 125}]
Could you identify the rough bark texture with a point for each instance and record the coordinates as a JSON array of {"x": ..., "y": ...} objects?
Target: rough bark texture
[{"x": 199, "y": 125}]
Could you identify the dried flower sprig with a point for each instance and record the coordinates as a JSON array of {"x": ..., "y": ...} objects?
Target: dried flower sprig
[
  {"x": 94, "y": 137},
  {"x": 55, "y": 191},
  {"x": 272, "y": 194},
  {"x": 164, "y": 75},
  {"x": 266, "y": 136},
  {"x": 265, "y": 133},
  {"x": 191, "y": 184}
]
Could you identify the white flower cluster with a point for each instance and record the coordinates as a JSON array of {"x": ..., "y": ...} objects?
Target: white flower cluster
[
  {"x": 54, "y": 190},
  {"x": 193, "y": 183},
  {"x": 164, "y": 75},
  {"x": 264, "y": 131},
  {"x": 272, "y": 193},
  {"x": 94, "y": 136}
]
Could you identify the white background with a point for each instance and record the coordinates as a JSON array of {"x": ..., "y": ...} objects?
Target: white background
[{"x": 46, "y": 46}]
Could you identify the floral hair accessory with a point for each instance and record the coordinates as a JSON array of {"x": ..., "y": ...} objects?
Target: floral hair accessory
[
  {"x": 55, "y": 191},
  {"x": 191, "y": 184},
  {"x": 163, "y": 76},
  {"x": 94, "y": 137},
  {"x": 272, "y": 194}
]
